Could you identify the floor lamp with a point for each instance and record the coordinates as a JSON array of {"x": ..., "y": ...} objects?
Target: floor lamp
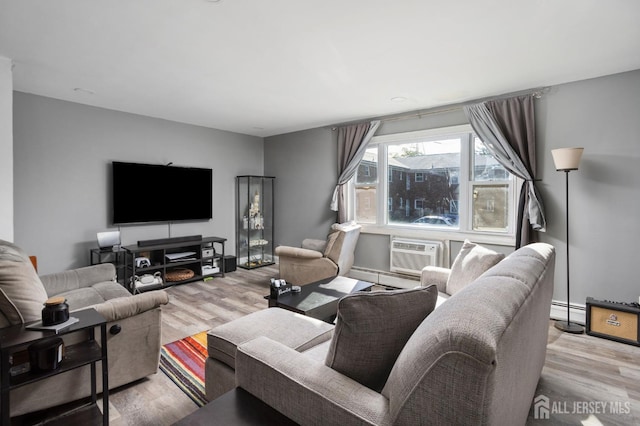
[{"x": 567, "y": 159}]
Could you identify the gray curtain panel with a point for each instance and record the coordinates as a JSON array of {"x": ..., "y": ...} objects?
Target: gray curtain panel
[
  {"x": 507, "y": 128},
  {"x": 352, "y": 144}
]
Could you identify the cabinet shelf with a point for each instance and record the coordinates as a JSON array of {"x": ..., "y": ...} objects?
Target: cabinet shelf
[
  {"x": 254, "y": 221},
  {"x": 74, "y": 356},
  {"x": 17, "y": 339},
  {"x": 159, "y": 255}
]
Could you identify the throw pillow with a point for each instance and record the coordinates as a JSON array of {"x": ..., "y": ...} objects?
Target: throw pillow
[
  {"x": 472, "y": 261},
  {"x": 372, "y": 328},
  {"x": 22, "y": 294}
]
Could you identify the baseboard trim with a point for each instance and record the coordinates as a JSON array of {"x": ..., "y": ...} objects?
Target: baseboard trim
[
  {"x": 559, "y": 312},
  {"x": 384, "y": 278}
]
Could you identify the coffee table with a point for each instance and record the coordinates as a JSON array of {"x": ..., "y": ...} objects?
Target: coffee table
[{"x": 320, "y": 299}]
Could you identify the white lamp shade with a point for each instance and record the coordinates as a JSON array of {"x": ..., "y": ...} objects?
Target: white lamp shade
[{"x": 567, "y": 158}]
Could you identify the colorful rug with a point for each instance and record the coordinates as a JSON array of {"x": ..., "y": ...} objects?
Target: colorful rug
[{"x": 183, "y": 362}]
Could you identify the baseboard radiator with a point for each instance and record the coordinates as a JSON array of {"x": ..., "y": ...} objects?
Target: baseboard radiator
[{"x": 409, "y": 256}]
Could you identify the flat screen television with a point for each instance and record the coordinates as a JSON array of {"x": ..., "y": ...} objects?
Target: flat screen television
[{"x": 156, "y": 193}]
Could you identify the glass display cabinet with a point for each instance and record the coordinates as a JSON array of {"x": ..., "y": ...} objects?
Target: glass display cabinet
[{"x": 254, "y": 221}]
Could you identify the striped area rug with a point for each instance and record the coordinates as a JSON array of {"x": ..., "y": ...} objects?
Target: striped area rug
[{"x": 183, "y": 362}]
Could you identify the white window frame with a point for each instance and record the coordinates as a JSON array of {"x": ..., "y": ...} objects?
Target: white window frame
[{"x": 464, "y": 215}]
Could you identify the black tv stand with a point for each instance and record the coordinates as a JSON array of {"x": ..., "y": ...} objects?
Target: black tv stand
[{"x": 161, "y": 259}]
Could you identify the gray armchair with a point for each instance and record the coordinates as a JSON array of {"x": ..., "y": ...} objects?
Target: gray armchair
[
  {"x": 319, "y": 259},
  {"x": 133, "y": 342}
]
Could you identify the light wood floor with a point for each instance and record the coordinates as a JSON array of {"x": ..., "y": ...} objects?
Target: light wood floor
[{"x": 579, "y": 371}]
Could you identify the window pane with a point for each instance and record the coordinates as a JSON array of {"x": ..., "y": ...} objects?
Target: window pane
[
  {"x": 368, "y": 168},
  {"x": 485, "y": 166},
  {"x": 366, "y": 204},
  {"x": 366, "y": 187},
  {"x": 490, "y": 208},
  {"x": 430, "y": 192}
]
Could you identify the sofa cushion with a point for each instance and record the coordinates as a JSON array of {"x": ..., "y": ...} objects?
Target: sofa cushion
[
  {"x": 372, "y": 328},
  {"x": 22, "y": 294},
  {"x": 293, "y": 330},
  {"x": 83, "y": 297},
  {"x": 472, "y": 261},
  {"x": 72, "y": 279}
]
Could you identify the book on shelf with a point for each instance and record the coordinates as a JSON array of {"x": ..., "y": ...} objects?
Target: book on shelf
[{"x": 57, "y": 328}]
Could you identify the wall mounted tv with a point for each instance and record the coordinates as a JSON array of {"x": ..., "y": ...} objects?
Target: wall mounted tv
[{"x": 156, "y": 193}]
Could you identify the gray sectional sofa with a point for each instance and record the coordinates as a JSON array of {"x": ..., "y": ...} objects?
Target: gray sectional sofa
[{"x": 475, "y": 359}]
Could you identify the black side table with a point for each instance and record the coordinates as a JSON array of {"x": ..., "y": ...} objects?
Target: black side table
[
  {"x": 17, "y": 338},
  {"x": 116, "y": 257}
]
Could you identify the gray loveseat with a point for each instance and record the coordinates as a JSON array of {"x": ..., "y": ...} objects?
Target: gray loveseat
[
  {"x": 134, "y": 324},
  {"x": 476, "y": 359}
]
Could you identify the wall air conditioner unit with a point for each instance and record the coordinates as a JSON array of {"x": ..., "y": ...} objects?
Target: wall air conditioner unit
[{"x": 410, "y": 256}]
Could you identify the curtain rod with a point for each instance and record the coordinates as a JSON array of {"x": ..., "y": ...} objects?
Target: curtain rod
[{"x": 537, "y": 94}]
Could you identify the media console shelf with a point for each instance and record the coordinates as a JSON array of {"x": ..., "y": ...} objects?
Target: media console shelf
[{"x": 172, "y": 261}]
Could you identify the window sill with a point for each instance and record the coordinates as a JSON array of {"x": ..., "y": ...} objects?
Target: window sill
[{"x": 439, "y": 235}]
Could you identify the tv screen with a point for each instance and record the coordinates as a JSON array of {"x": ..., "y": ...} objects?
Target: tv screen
[{"x": 156, "y": 193}]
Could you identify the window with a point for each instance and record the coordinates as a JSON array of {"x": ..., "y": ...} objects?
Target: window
[
  {"x": 457, "y": 185},
  {"x": 490, "y": 189},
  {"x": 366, "y": 187}
]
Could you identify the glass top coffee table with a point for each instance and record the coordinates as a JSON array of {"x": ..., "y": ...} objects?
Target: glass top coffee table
[{"x": 320, "y": 299}]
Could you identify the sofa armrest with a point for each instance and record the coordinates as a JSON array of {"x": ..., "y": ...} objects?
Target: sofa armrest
[
  {"x": 125, "y": 307},
  {"x": 73, "y": 279},
  {"x": 297, "y": 252},
  {"x": 313, "y": 244},
  {"x": 304, "y": 390},
  {"x": 435, "y": 275}
]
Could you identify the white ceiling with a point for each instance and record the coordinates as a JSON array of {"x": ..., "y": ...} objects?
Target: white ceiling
[{"x": 266, "y": 67}]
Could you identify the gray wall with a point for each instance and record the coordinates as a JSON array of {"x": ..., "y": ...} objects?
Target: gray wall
[
  {"x": 306, "y": 168},
  {"x": 599, "y": 114},
  {"x": 602, "y": 115},
  {"x": 63, "y": 153}
]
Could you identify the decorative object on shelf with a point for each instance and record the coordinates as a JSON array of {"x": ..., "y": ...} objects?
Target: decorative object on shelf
[
  {"x": 55, "y": 311},
  {"x": 254, "y": 226},
  {"x": 146, "y": 280},
  {"x": 254, "y": 243},
  {"x": 567, "y": 159},
  {"x": 46, "y": 354},
  {"x": 142, "y": 262},
  {"x": 179, "y": 274},
  {"x": 109, "y": 240}
]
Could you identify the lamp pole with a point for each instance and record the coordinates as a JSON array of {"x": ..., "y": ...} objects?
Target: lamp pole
[{"x": 568, "y": 326}]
